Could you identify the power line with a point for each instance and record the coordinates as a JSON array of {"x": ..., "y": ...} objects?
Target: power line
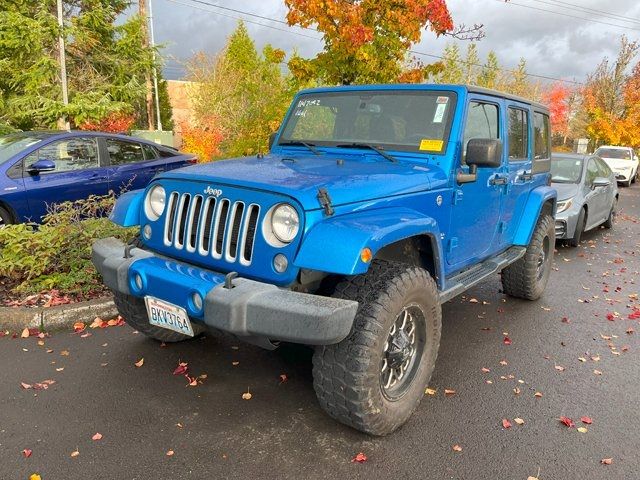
[
  {"x": 580, "y": 8},
  {"x": 568, "y": 15},
  {"x": 440, "y": 57}
]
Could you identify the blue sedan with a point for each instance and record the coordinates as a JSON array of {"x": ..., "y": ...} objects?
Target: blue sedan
[{"x": 42, "y": 168}]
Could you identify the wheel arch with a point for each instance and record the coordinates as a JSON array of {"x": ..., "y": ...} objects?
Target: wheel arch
[
  {"x": 12, "y": 213},
  {"x": 541, "y": 201}
]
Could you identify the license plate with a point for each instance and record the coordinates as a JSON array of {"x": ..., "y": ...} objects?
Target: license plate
[{"x": 167, "y": 315}]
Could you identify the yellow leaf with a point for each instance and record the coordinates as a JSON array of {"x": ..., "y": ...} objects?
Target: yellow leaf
[
  {"x": 25, "y": 333},
  {"x": 169, "y": 453},
  {"x": 582, "y": 430},
  {"x": 75, "y": 453},
  {"x": 35, "y": 476},
  {"x": 139, "y": 363},
  {"x": 430, "y": 391},
  {"x": 246, "y": 396},
  {"x": 519, "y": 421}
]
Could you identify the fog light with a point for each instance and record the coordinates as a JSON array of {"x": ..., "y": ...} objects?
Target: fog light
[
  {"x": 196, "y": 300},
  {"x": 146, "y": 232},
  {"x": 138, "y": 280},
  {"x": 280, "y": 263}
]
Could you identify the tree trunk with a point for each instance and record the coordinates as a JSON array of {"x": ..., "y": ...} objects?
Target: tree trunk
[{"x": 147, "y": 76}]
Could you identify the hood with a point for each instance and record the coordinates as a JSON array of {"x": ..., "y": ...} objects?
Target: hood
[
  {"x": 617, "y": 163},
  {"x": 348, "y": 178},
  {"x": 565, "y": 190}
]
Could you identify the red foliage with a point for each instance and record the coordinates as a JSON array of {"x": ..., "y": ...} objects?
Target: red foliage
[
  {"x": 204, "y": 142},
  {"x": 117, "y": 122},
  {"x": 557, "y": 100}
]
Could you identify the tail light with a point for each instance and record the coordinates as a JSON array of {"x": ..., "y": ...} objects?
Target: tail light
[{"x": 192, "y": 160}]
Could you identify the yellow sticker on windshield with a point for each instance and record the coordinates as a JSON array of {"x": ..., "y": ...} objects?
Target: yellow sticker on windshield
[{"x": 431, "y": 145}]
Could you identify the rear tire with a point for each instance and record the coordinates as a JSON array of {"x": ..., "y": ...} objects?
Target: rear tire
[
  {"x": 580, "y": 226},
  {"x": 374, "y": 379},
  {"x": 527, "y": 277},
  {"x": 134, "y": 312},
  {"x": 5, "y": 217}
]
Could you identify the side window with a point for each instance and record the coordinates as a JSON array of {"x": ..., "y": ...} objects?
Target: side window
[
  {"x": 69, "y": 155},
  {"x": 603, "y": 168},
  {"x": 150, "y": 153},
  {"x": 482, "y": 122},
  {"x": 542, "y": 135},
  {"x": 592, "y": 171},
  {"x": 518, "y": 134},
  {"x": 121, "y": 152}
]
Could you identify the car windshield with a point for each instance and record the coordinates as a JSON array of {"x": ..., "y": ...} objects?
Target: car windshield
[
  {"x": 566, "y": 169},
  {"x": 15, "y": 143},
  {"x": 403, "y": 120},
  {"x": 617, "y": 153}
]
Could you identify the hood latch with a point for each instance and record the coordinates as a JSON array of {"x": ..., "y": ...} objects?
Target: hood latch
[{"x": 325, "y": 201}]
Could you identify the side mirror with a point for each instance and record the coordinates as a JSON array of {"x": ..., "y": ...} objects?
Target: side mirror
[
  {"x": 272, "y": 139},
  {"x": 600, "y": 182},
  {"x": 484, "y": 152},
  {"x": 40, "y": 166}
]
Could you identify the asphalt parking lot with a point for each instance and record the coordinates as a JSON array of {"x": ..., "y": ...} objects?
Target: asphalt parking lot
[{"x": 576, "y": 347}]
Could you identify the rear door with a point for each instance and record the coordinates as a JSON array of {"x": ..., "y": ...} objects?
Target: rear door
[
  {"x": 79, "y": 173},
  {"x": 132, "y": 164},
  {"x": 596, "y": 198}
]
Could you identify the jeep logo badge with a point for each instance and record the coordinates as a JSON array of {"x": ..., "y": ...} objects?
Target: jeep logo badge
[{"x": 216, "y": 192}]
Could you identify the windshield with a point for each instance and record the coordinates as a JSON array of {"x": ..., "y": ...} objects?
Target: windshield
[
  {"x": 566, "y": 169},
  {"x": 14, "y": 143},
  {"x": 617, "y": 153},
  {"x": 411, "y": 121}
]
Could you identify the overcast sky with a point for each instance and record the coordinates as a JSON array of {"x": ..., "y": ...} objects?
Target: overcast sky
[{"x": 553, "y": 45}]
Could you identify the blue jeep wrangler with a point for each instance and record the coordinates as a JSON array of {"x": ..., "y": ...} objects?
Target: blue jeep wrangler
[{"x": 375, "y": 205}]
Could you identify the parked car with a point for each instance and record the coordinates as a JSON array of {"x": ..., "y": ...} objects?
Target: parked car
[
  {"x": 41, "y": 168},
  {"x": 375, "y": 205},
  {"x": 587, "y": 195},
  {"x": 622, "y": 160}
]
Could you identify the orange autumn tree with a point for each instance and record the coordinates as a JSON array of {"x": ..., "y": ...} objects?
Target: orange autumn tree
[
  {"x": 557, "y": 99},
  {"x": 367, "y": 41}
]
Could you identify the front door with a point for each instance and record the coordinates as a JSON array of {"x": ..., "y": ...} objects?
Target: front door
[
  {"x": 77, "y": 174},
  {"x": 476, "y": 205}
]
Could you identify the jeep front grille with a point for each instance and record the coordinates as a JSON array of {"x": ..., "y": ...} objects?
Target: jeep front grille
[{"x": 211, "y": 227}]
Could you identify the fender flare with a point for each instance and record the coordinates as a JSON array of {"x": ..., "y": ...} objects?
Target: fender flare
[
  {"x": 334, "y": 244},
  {"x": 537, "y": 198},
  {"x": 126, "y": 211}
]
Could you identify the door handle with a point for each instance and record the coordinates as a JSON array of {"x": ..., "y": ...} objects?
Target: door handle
[
  {"x": 499, "y": 180},
  {"x": 524, "y": 177}
]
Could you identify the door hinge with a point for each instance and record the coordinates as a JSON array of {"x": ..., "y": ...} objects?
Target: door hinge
[
  {"x": 457, "y": 196},
  {"x": 453, "y": 243}
]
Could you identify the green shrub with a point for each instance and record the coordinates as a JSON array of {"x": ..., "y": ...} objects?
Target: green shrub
[{"x": 57, "y": 254}]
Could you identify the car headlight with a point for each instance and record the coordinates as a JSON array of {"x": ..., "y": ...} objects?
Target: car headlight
[
  {"x": 564, "y": 205},
  {"x": 285, "y": 222},
  {"x": 154, "y": 203}
]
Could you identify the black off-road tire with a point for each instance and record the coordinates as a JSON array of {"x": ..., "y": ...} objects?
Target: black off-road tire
[
  {"x": 5, "y": 217},
  {"x": 134, "y": 312},
  {"x": 580, "y": 226},
  {"x": 347, "y": 376},
  {"x": 522, "y": 278},
  {"x": 611, "y": 219}
]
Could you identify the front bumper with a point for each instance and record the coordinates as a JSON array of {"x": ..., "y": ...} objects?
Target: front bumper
[
  {"x": 566, "y": 223},
  {"x": 250, "y": 309}
]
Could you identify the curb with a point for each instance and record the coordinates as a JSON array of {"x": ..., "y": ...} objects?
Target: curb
[{"x": 17, "y": 318}]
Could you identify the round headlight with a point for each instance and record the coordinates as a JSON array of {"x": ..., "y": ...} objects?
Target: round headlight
[
  {"x": 285, "y": 223},
  {"x": 155, "y": 201}
]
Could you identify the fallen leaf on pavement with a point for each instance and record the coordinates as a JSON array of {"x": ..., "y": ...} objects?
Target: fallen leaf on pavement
[
  {"x": 75, "y": 453},
  {"x": 567, "y": 421},
  {"x": 560, "y": 368},
  {"x": 538, "y": 394},
  {"x": 597, "y": 372},
  {"x": 516, "y": 391},
  {"x": 139, "y": 363},
  {"x": 507, "y": 341},
  {"x": 78, "y": 327},
  {"x": 586, "y": 420},
  {"x": 582, "y": 430},
  {"x": 506, "y": 423},
  {"x": 26, "y": 453},
  {"x": 64, "y": 353},
  {"x": 485, "y": 370},
  {"x": 457, "y": 448},
  {"x": 449, "y": 391},
  {"x": 35, "y": 476},
  {"x": 247, "y": 395},
  {"x": 26, "y": 386},
  {"x": 359, "y": 458},
  {"x": 169, "y": 453},
  {"x": 181, "y": 369},
  {"x": 97, "y": 436},
  {"x": 503, "y": 362},
  {"x": 606, "y": 461},
  {"x": 430, "y": 391},
  {"x": 519, "y": 421},
  {"x": 25, "y": 333},
  {"x": 283, "y": 378}
]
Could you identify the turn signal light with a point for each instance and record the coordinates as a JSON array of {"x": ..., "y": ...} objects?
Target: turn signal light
[{"x": 366, "y": 255}]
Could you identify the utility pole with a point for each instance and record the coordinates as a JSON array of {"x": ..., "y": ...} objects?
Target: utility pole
[
  {"x": 63, "y": 122},
  {"x": 142, "y": 5},
  {"x": 155, "y": 73}
]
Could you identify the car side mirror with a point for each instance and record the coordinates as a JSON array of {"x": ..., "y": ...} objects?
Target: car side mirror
[
  {"x": 40, "y": 166},
  {"x": 272, "y": 139},
  {"x": 600, "y": 182},
  {"x": 484, "y": 152}
]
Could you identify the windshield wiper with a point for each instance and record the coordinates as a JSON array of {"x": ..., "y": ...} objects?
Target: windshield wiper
[
  {"x": 298, "y": 143},
  {"x": 378, "y": 150}
]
